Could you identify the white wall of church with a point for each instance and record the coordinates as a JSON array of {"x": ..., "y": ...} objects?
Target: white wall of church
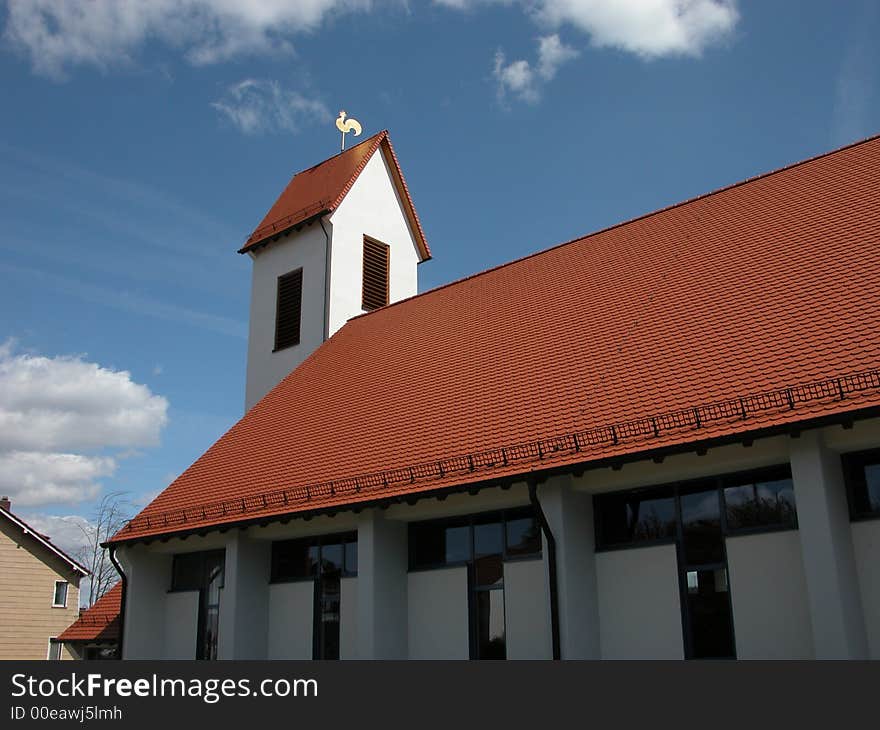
[
  {"x": 527, "y": 610},
  {"x": 866, "y": 543},
  {"x": 291, "y": 608},
  {"x": 371, "y": 207},
  {"x": 438, "y": 614},
  {"x": 307, "y": 250},
  {"x": 348, "y": 615},
  {"x": 639, "y": 604},
  {"x": 181, "y": 624},
  {"x": 771, "y": 612}
]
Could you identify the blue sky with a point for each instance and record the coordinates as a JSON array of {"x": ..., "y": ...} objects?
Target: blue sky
[{"x": 140, "y": 142}]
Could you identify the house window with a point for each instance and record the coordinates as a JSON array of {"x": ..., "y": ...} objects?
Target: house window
[
  {"x": 59, "y": 598},
  {"x": 697, "y": 517},
  {"x": 377, "y": 261},
  {"x": 54, "y": 653},
  {"x": 202, "y": 572},
  {"x": 288, "y": 309},
  {"x": 324, "y": 560},
  {"x": 481, "y": 543},
  {"x": 862, "y": 475}
]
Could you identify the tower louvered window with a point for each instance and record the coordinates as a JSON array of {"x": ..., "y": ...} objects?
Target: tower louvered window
[
  {"x": 377, "y": 259},
  {"x": 288, "y": 309}
]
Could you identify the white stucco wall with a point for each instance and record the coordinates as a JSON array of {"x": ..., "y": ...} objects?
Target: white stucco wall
[
  {"x": 527, "y": 610},
  {"x": 438, "y": 614},
  {"x": 291, "y": 610},
  {"x": 771, "y": 614},
  {"x": 181, "y": 624},
  {"x": 348, "y": 648},
  {"x": 866, "y": 543},
  {"x": 639, "y": 605},
  {"x": 307, "y": 250},
  {"x": 149, "y": 578},
  {"x": 372, "y": 207}
]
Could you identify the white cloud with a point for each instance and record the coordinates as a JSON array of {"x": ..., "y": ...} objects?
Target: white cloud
[
  {"x": 54, "y": 409},
  {"x": 56, "y": 34},
  {"x": 521, "y": 79},
  {"x": 33, "y": 478},
  {"x": 263, "y": 105},
  {"x": 71, "y": 533},
  {"x": 648, "y": 28}
]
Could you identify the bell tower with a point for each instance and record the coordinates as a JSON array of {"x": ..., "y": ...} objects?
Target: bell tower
[{"x": 342, "y": 239}]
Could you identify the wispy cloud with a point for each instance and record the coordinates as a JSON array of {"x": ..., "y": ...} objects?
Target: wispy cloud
[
  {"x": 649, "y": 29},
  {"x": 523, "y": 80},
  {"x": 127, "y": 301},
  {"x": 263, "y": 105},
  {"x": 58, "y": 34}
]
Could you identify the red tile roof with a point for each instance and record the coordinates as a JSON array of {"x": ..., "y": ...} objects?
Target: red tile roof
[
  {"x": 752, "y": 307},
  {"x": 100, "y": 622},
  {"x": 322, "y": 188}
]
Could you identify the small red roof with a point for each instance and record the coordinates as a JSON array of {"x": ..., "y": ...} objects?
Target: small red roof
[
  {"x": 320, "y": 190},
  {"x": 749, "y": 308},
  {"x": 100, "y": 622}
]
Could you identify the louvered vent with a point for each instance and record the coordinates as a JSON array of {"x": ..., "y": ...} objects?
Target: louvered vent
[
  {"x": 288, "y": 309},
  {"x": 377, "y": 257}
]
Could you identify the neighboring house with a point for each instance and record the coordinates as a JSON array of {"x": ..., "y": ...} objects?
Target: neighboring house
[
  {"x": 95, "y": 634},
  {"x": 661, "y": 440},
  {"x": 39, "y": 591}
]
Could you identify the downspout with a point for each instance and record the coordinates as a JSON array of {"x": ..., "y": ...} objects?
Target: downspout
[
  {"x": 551, "y": 568},
  {"x": 326, "y": 280},
  {"x": 112, "y": 553}
]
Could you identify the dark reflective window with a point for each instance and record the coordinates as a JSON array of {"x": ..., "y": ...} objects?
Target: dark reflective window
[
  {"x": 457, "y": 544},
  {"x": 351, "y": 557},
  {"x": 862, "y": 472},
  {"x": 523, "y": 536},
  {"x": 332, "y": 556},
  {"x": 488, "y": 554},
  {"x": 483, "y": 542},
  {"x": 310, "y": 557},
  {"x": 202, "y": 572},
  {"x": 701, "y": 527},
  {"x": 489, "y": 625},
  {"x": 709, "y": 615},
  {"x": 488, "y": 538},
  {"x": 636, "y": 517},
  {"x": 760, "y": 504},
  {"x": 186, "y": 572},
  {"x": 328, "y": 617}
]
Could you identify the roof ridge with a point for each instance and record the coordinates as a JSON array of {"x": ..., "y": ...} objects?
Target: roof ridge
[
  {"x": 376, "y": 141},
  {"x": 621, "y": 224}
]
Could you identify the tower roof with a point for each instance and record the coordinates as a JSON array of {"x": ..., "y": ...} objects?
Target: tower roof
[
  {"x": 743, "y": 311},
  {"x": 322, "y": 188}
]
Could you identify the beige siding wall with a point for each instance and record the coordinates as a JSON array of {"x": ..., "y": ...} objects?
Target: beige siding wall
[{"x": 28, "y": 572}]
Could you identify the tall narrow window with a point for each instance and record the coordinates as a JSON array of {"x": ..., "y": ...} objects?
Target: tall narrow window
[
  {"x": 483, "y": 543},
  {"x": 59, "y": 599},
  {"x": 324, "y": 560},
  {"x": 202, "y": 572},
  {"x": 377, "y": 260},
  {"x": 288, "y": 309}
]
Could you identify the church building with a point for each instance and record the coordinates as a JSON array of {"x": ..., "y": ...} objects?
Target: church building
[{"x": 660, "y": 440}]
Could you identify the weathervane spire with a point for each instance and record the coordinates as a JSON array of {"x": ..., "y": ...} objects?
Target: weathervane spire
[{"x": 347, "y": 125}]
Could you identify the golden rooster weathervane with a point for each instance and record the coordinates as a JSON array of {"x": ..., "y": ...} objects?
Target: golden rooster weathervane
[{"x": 347, "y": 125}]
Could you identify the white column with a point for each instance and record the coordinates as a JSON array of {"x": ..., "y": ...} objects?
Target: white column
[
  {"x": 827, "y": 548},
  {"x": 570, "y": 516},
  {"x": 148, "y": 577},
  {"x": 381, "y": 586},
  {"x": 244, "y": 601}
]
